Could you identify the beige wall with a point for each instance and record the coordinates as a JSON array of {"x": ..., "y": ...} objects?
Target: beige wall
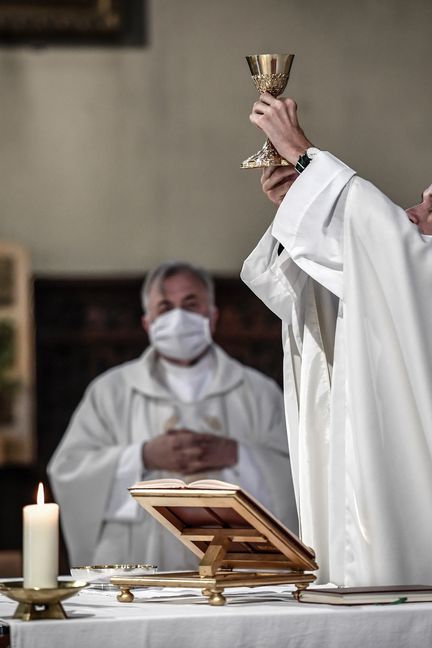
[{"x": 112, "y": 160}]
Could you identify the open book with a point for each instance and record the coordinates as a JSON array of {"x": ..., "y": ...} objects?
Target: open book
[
  {"x": 367, "y": 595},
  {"x": 171, "y": 482}
]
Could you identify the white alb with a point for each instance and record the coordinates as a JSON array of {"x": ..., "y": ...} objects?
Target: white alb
[{"x": 353, "y": 287}]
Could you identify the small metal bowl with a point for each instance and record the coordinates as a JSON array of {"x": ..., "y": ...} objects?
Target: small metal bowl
[{"x": 98, "y": 576}]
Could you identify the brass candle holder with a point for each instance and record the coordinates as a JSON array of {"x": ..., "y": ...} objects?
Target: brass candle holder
[
  {"x": 40, "y": 602},
  {"x": 270, "y": 73}
]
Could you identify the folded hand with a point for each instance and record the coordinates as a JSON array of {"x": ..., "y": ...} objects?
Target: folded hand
[{"x": 186, "y": 452}]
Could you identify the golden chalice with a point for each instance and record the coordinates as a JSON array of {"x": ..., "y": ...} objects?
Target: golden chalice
[{"x": 270, "y": 73}]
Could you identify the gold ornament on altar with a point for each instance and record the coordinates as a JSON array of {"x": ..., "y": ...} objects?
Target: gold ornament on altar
[
  {"x": 40, "y": 602},
  {"x": 270, "y": 73}
]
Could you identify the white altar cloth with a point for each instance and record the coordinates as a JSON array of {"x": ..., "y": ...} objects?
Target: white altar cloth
[{"x": 99, "y": 621}]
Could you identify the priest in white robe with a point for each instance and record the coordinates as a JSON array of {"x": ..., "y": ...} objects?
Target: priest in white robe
[
  {"x": 184, "y": 409},
  {"x": 350, "y": 275}
]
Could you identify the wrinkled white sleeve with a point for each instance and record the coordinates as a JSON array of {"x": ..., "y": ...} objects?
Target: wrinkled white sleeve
[
  {"x": 121, "y": 507},
  {"x": 248, "y": 473},
  {"x": 273, "y": 277},
  {"x": 309, "y": 221}
]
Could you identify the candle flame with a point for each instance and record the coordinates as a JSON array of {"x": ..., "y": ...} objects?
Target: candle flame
[{"x": 40, "y": 494}]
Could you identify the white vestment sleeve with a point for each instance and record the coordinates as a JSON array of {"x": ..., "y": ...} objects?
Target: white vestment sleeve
[
  {"x": 121, "y": 506},
  {"x": 264, "y": 468},
  {"x": 81, "y": 472},
  {"x": 248, "y": 473},
  {"x": 274, "y": 278},
  {"x": 309, "y": 221}
]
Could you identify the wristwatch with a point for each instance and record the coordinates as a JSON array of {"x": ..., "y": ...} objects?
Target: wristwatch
[{"x": 304, "y": 159}]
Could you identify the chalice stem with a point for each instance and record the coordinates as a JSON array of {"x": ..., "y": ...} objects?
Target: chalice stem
[{"x": 266, "y": 157}]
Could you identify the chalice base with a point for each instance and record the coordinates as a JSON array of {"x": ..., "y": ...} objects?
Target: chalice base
[{"x": 266, "y": 157}]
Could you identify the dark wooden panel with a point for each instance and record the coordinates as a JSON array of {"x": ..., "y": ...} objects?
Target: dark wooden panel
[{"x": 17, "y": 488}]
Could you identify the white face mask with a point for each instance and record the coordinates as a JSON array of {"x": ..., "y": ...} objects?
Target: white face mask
[{"x": 180, "y": 334}]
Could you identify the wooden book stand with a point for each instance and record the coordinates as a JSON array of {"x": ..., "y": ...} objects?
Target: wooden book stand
[{"x": 239, "y": 542}]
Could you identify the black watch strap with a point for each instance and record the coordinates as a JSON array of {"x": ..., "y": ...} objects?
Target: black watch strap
[{"x": 302, "y": 162}]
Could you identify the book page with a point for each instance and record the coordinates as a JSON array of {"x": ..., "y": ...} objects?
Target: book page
[
  {"x": 168, "y": 482},
  {"x": 215, "y": 484},
  {"x": 173, "y": 482}
]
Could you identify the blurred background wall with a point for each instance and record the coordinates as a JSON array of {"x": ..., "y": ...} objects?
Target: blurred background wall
[{"x": 112, "y": 159}]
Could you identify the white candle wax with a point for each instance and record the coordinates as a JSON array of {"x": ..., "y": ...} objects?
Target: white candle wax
[{"x": 41, "y": 541}]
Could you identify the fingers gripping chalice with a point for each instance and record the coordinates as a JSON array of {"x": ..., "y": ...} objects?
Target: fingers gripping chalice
[{"x": 270, "y": 73}]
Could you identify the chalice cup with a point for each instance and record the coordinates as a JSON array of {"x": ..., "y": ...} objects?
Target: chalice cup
[{"x": 270, "y": 73}]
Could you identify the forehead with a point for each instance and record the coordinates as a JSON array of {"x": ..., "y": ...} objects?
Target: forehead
[{"x": 178, "y": 285}]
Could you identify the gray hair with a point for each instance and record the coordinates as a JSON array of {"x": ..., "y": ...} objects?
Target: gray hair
[{"x": 170, "y": 268}]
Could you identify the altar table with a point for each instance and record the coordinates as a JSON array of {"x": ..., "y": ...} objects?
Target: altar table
[{"x": 256, "y": 618}]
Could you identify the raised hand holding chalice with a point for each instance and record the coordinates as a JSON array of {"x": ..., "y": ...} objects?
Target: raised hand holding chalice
[{"x": 270, "y": 73}]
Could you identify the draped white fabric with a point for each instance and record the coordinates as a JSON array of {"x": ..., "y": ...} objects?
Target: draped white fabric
[{"x": 353, "y": 287}]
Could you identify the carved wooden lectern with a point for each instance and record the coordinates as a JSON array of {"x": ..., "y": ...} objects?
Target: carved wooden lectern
[{"x": 239, "y": 542}]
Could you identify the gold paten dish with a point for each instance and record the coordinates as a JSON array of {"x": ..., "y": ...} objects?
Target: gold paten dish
[
  {"x": 98, "y": 576},
  {"x": 40, "y": 602}
]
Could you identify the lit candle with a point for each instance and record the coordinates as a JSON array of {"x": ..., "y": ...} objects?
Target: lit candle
[{"x": 41, "y": 540}]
